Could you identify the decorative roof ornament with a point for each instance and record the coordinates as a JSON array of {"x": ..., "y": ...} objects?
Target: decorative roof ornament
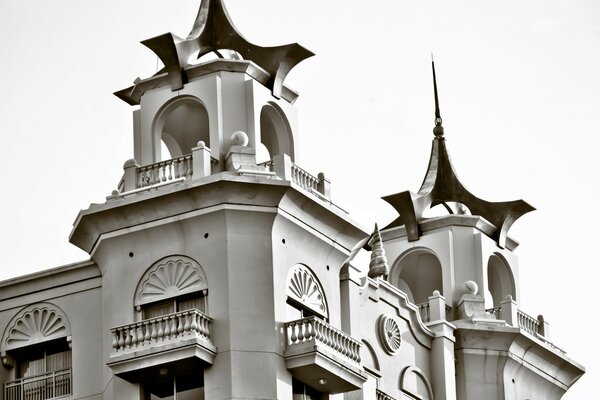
[
  {"x": 441, "y": 185},
  {"x": 213, "y": 30},
  {"x": 378, "y": 267}
]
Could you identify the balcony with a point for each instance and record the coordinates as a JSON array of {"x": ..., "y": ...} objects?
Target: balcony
[
  {"x": 175, "y": 342},
  {"x": 51, "y": 385},
  {"x": 200, "y": 164},
  {"x": 322, "y": 356}
]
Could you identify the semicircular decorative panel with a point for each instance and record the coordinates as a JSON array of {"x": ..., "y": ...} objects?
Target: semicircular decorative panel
[
  {"x": 37, "y": 323},
  {"x": 170, "y": 277},
  {"x": 389, "y": 334},
  {"x": 304, "y": 287}
]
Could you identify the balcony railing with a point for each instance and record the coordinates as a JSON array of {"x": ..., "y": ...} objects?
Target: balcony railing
[
  {"x": 425, "y": 313},
  {"x": 164, "y": 171},
  {"x": 313, "y": 329},
  {"x": 382, "y": 395},
  {"x": 322, "y": 356},
  {"x": 51, "y": 385},
  {"x": 528, "y": 323},
  {"x": 153, "y": 331}
]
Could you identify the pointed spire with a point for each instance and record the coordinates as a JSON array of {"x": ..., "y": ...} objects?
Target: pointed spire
[
  {"x": 441, "y": 185},
  {"x": 378, "y": 266},
  {"x": 438, "y": 130}
]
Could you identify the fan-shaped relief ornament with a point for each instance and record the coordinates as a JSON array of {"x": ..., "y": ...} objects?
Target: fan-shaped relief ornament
[
  {"x": 389, "y": 334},
  {"x": 34, "y": 324},
  {"x": 170, "y": 277},
  {"x": 304, "y": 287}
]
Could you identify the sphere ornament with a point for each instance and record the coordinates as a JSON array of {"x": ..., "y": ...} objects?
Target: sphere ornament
[{"x": 389, "y": 334}]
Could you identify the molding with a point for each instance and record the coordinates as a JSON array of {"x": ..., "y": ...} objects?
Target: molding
[
  {"x": 34, "y": 324},
  {"x": 170, "y": 277},
  {"x": 304, "y": 288}
]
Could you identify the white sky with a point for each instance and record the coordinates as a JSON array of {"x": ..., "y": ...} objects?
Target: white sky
[{"x": 519, "y": 92}]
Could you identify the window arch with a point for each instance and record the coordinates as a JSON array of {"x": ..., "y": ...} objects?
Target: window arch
[
  {"x": 275, "y": 132},
  {"x": 304, "y": 292},
  {"x": 501, "y": 281},
  {"x": 171, "y": 284},
  {"x": 180, "y": 124},
  {"x": 418, "y": 272},
  {"x": 37, "y": 343}
]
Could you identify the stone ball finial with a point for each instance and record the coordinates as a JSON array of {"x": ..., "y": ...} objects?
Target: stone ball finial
[
  {"x": 471, "y": 287},
  {"x": 436, "y": 292},
  {"x": 129, "y": 163},
  {"x": 239, "y": 138},
  {"x": 201, "y": 144}
]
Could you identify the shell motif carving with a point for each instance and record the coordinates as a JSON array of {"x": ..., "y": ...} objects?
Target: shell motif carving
[
  {"x": 389, "y": 334},
  {"x": 170, "y": 277},
  {"x": 304, "y": 288},
  {"x": 36, "y": 324}
]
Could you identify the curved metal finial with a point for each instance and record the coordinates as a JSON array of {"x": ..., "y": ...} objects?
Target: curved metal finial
[
  {"x": 438, "y": 131},
  {"x": 213, "y": 30}
]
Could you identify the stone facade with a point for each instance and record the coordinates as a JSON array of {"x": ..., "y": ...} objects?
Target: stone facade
[{"x": 224, "y": 270}]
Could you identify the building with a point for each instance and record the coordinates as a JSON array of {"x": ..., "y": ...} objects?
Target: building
[{"x": 223, "y": 269}]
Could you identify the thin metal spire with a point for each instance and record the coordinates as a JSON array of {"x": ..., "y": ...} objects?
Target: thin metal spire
[{"x": 438, "y": 131}]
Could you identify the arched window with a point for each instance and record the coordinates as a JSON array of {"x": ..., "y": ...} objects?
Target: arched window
[
  {"x": 305, "y": 295},
  {"x": 275, "y": 133},
  {"x": 500, "y": 280},
  {"x": 174, "y": 283},
  {"x": 415, "y": 384},
  {"x": 180, "y": 125},
  {"x": 37, "y": 346},
  {"x": 417, "y": 273}
]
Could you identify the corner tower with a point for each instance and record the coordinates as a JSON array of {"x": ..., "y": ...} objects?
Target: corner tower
[
  {"x": 466, "y": 261},
  {"x": 212, "y": 256}
]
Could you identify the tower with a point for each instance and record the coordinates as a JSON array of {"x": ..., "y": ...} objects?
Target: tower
[{"x": 220, "y": 269}]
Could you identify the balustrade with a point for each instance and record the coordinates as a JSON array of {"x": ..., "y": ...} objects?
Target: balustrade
[
  {"x": 51, "y": 385},
  {"x": 528, "y": 323},
  {"x": 424, "y": 312},
  {"x": 304, "y": 179},
  {"x": 496, "y": 312},
  {"x": 164, "y": 171},
  {"x": 315, "y": 329},
  {"x": 383, "y": 396},
  {"x": 160, "y": 329}
]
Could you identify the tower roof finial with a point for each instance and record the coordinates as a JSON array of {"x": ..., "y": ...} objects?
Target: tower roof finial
[{"x": 438, "y": 130}]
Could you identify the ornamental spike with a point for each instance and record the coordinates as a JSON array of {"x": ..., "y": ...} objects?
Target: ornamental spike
[{"x": 378, "y": 266}]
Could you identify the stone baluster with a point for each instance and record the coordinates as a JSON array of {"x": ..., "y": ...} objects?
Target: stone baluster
[
  {"x": 121, "y": 338},
  {"x": 146, "y": 332},
  {"x": 194, "y": 323},
  {"x": 160, "y": 333},
  {"x": 186, "y": 323},
  {"x": 115, "y": 340},
  {"x": 179, "y": 324},
  {"x": 127, "y": 337},
  {"x": 168, "y": 331},
  {"x": 153, "y": 333}
]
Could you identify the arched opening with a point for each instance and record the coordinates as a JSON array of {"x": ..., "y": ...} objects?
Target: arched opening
[
  {"x": 305, "y": 295},
  {"x": 180, "y": 125},
  {"x": 275, "y": 134},
  {"x": 500, "y": 281},
  {"x": 418, "y": 273},
  {"x": 414, "y": 382},
  {"x": 172, "y": 284},
  {"x": 36, "y": 346}
]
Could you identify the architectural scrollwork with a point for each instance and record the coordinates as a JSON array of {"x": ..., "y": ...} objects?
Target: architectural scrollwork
[
  {"x": 304, "y": 288},
  {"x": 169, "y": 277}
]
